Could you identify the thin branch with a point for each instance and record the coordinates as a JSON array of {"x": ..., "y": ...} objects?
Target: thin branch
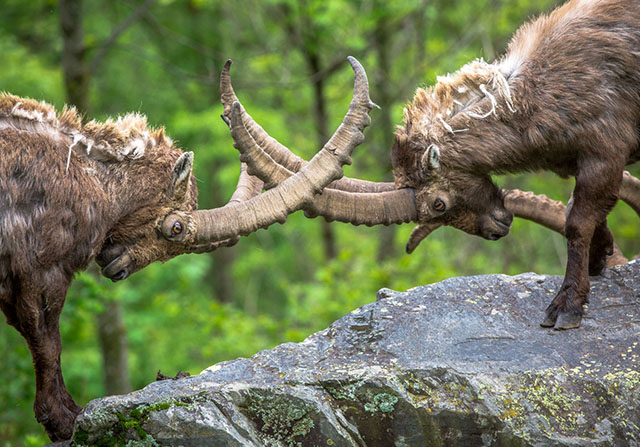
[
  {"x": 181, "y": 39},
  {"x": 167, "y": 64},
  {"x": 107, "y": 44}
]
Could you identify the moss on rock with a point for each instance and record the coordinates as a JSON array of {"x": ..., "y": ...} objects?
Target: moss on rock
[
  {"x": 570, "y": 402},
  {"x": 127, "y": 430}
]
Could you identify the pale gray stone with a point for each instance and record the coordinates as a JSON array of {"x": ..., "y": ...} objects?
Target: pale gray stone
[{"x": 462, "y": 362}]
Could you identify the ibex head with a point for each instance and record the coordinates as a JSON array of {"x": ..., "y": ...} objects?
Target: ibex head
[
  {"x": 430, "y": 192},
  {"x": 170, "y": 225},
  {"x": 446, "y": 196},
  {"x": 429, "y": 153},
  {"x": 135, "y": 241}
]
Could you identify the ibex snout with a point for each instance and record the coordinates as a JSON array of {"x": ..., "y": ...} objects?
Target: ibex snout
[
  {"x": 115, "y": 262},
  {"x": 503, "y": 217},
  {"x": 498, "y": 225}
]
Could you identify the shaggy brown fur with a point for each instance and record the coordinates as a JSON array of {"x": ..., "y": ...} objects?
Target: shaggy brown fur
[
  {"x": 65, "y": 189},
  {"x": 564, "y": 98}
]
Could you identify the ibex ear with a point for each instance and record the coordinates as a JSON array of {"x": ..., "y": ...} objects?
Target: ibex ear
[
  {"x": 181, "y": 176},
  {"x": 431, "y": 158}
]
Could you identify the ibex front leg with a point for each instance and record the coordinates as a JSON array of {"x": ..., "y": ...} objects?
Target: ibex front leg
[
  {"x": 588, "y": 237},
  {"x": 37, "y": 315}
]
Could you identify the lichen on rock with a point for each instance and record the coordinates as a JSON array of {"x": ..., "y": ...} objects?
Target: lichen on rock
[{"x": 283, "y": 420}]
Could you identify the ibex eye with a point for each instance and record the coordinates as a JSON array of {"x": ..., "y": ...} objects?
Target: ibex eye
[
  {"x": 439, "y": 205},
  {"x": 176, "y": 228}
]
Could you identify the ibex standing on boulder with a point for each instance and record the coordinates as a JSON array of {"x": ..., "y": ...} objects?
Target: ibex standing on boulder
[
  {"x": 565, "y": 98},
  {"x": 71, "y": 192},
  {"x": 64, "y": 188}
]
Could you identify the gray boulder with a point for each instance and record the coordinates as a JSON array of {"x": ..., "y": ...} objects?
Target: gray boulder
[{"x": 462, "y": 362}]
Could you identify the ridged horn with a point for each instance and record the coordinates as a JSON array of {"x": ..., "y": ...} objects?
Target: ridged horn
[
  {"x": 242, "y": 218},
  {"x": 280, "y": 153}
]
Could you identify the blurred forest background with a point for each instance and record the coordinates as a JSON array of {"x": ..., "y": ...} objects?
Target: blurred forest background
[{"x": 163, "y": 58}]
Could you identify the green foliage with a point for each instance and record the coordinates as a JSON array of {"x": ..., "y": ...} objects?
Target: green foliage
[
  {"x": 24, "y": 75},
  {"x": 279, "y": 285}
]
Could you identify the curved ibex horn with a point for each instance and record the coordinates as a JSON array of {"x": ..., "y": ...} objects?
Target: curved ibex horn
[
  {"x": 280, "y": 153},
  {"x": 275, "y": 205}
]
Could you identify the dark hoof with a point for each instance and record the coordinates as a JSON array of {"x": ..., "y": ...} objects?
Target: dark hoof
[
  {"x": 568, "y": 320},
  {"x": 550, "y": 317},
  {"x": 548, "y": 321}
]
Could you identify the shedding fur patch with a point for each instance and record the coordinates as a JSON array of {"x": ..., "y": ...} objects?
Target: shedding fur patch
[
  {"x": 126, "y": 137},
  {"x": 34, "y": 114},
  {"x": 432, "y": 110}
]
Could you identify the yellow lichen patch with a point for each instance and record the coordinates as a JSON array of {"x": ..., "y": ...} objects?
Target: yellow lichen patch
[{"x": 570, "y": 401}]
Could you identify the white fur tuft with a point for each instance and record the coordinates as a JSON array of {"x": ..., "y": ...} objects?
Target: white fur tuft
[
  {"x": 135, "y": 149},
  {"x": 33, "y": 115},
  {"x": 433, "y": 109}
]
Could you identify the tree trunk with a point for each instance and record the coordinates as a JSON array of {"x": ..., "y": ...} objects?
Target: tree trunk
[
  {"x": 74, "y": 67},
  {"x": 113, "y": 345},
  {"x": 111, "y": 330},
  {"x": 305, "y": 38},
  {"x": 221, "y": 262},
  {"x": 221, "y": 259},
  {"x": 384, "y": 124},
  {"x": 322, "y": 135}
]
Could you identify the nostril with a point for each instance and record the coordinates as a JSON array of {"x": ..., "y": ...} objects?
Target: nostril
[
  {"x": 108, "y": 254},
  {"x": 508, "y": 219},
  {"x": 122, "y": 274},
  {"x": 505, "y": 218}
]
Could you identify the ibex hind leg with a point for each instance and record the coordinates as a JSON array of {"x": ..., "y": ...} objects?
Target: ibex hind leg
[
  {"x": 601, "y": 247},
  {"x": 565, "y": 310}
]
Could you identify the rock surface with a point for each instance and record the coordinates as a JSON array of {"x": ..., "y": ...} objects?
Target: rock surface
[{"x": 459, "y": 363}]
